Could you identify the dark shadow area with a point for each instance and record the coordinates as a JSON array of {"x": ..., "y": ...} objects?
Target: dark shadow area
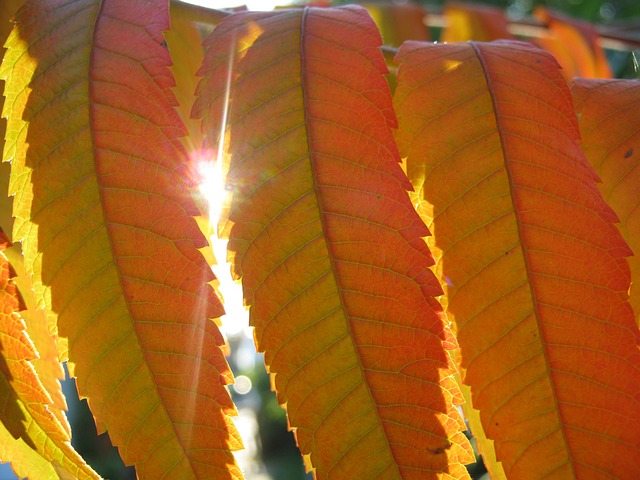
[
  {"x": 12, "y": 417},
  {"x": 97, "y": 450}
]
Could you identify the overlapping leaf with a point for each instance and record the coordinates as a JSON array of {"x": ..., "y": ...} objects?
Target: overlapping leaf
[
  {"x": 472, "y": 21},
  {"x": 103, "y": 208},
  {"x": 484, "y": 445},
  {"x": 533, "y": 266},
  {"x": 31, "y": 437},
  {"x": 188, "y": 24},
  {"x": 47, "y": 364},
  {"x": 399, "y": 22},
  {"x": 328, "y": 245},
  {"x": 575, "y": 44},
  {"x": 610, "y": 130},
  {"x": 7, "y": 9}
]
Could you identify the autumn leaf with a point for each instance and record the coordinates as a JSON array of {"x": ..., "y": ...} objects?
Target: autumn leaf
[
  {"x": 190, "y": 24},
  {"x": 47, "y": 364},
  {"x": 575, "y": 44},
  {"x": 610, "y": 130},
  {"x": 471, "y": 21},
  {"x": 533, "y": 267},
  {"x": 484, "y": 445},
  {"x": 32, "y": 438},
  {"x": 7, "y": 9},
  {"x": 102, "y": 207},
  {"x": 399, "y": 22},
  {"x": 328, "y": 245}
]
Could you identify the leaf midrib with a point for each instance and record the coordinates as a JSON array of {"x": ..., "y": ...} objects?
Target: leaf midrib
[
  {"x": 528, "y": 270},
  {"x": 92, "y": 101},
  {"x": 304, "y": 82}
]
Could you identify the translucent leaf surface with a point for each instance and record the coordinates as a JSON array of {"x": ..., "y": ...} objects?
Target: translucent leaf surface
[
  {"x": 473, "y": 21},
  {"x": 184, "y": 40},
  {"x": 610, "y": 130},
  {"x": 31, "y": 437},
  {"x": 575, "y": 44},
  {"x": 47, "y": 364},
  {"x": 484, "y": 446},
  {"x": 533, "y": 266},
  {"x": 7, "y": 9},
  {"x": 399, "y": 22},
  {"x": 328, "y": 245},
  {"x": 103, "y": 210}
]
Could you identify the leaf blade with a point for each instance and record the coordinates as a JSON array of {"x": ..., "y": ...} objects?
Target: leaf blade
[
  {"x": 310, "y": 228},
  {"x": 33, "y": 437},
  {"x": 399, "y": 22},
  {"x": 611, "y": 141},
  {"x": 576, "y": 45},
  {"x": 101, "y": 192},
  {"x": 47, "y": 364},
  {"x": 469, "y": 21},
  {"x": 513, "y": 229},
  {"x": 7, "y": 9}
]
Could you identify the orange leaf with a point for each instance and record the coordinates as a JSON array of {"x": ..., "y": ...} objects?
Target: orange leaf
[
  {"x": 575, "y": 44},
  {"x": 610, "y": 129},
  {"x": 467, "y": 21},
  {"x": 47, "y": 364},
  {"x": 399, "y": 22},
  {"x": 104, "y": 210},
  {"x": 328, "y": 245},
  {"x": 532, "y": 264},
  {"x": 31, "y": 437}
]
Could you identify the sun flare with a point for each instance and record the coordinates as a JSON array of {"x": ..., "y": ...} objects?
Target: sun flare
[{"x": 212, "y": 186}]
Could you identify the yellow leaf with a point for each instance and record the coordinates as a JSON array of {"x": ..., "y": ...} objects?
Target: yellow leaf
[
  {"x": 47, "y": 364},
  {"x": 104, "y": 211},
  {"x": 472, "y": 21},
  {"x": 7, "y": 9},
  {"x": 399, "y": 22},
  {"x": 31, "y": 437}
]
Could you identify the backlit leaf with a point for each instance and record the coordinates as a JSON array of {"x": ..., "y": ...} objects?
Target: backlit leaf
[
  {"x": 484, "y": 445},
  {"x": 575, "y": 44},
  {"x": 7, "y": 9},
  {"x": 399, "y": 22},
  {"x": 472, "y": 21},
  {"x": 47, "y": 364},
  {"x": 610, "y": 130},
  {"x": 184, "y": 40},
  {"x": 328, "y": 245},
  {"x": 532, "y": 264},
  {"x": 103, "y": 209},
  {"x": 31, "y": 437}
]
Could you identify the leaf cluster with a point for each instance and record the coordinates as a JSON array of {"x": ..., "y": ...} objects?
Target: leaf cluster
[{"x": 418, "y": 231}]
